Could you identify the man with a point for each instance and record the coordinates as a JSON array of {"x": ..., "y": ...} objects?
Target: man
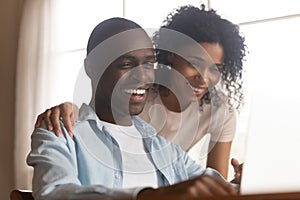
[{"x": 113, "y": 153}]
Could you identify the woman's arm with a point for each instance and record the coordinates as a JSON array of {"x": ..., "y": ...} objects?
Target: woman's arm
[{"x": 218, "y": 157}]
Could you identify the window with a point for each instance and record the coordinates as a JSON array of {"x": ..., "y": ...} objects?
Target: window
[{"x": 271, "y": 29}]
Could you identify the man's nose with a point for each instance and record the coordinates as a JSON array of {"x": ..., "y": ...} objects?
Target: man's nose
[{"x": 142, "y": 74}]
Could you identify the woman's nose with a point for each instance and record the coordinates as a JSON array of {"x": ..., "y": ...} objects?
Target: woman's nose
[{"x": 201, "y": 80}]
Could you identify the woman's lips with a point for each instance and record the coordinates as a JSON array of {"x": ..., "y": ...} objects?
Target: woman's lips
[{"x": 198, "y": 91}]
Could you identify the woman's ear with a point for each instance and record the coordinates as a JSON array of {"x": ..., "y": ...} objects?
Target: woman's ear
[{"x": 171, "y": 57}]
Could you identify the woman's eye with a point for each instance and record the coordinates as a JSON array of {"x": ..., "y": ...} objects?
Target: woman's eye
[
  {"x": 197, "y": 65},
  {"x": 220, "y": 67},
  {"x": 214, "y": 69}
]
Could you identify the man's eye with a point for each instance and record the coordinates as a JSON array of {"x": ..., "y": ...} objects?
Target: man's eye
[
  {"x": 149, "y": 65},
  {"x": 126, "y": 65}
]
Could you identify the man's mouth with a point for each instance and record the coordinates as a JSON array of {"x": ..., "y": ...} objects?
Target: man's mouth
[
  {"x": 135, "y": 91},
  {"x": 136, "y": 95}
]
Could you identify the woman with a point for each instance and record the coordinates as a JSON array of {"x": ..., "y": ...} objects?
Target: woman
[{"x": 202, "y": 99}]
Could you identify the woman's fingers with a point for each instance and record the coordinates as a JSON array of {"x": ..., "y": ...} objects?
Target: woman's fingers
[
  {"x": 54, "y": 117},
  {"x": 68, "y": 112}
]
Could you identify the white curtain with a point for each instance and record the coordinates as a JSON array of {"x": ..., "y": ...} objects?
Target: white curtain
[
  {"x": 33, "y": 75},
  {"x": 53, "y": 37}
]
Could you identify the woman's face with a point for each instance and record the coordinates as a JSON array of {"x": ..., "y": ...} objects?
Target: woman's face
[{"x": 200, "y": 67}]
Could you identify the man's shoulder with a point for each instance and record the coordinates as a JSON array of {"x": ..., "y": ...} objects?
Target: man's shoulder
[
  {"x": 86, "y": 112},
  {"x": 42, "y": 138}
]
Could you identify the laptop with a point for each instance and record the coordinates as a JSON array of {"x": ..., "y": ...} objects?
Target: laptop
[{"x": 272, "y": 160}]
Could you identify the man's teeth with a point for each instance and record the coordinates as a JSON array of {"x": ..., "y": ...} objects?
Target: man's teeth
[{"x": 135, "y": 91}]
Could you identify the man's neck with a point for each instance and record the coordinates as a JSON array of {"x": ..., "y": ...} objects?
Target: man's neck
[{"x": 113, "y": 117}]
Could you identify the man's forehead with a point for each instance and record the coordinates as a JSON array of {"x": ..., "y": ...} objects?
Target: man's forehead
[
  {"x": 122, "y": 43},
  {"x": 146, "y": 52},
  {"x": 133, "y": 38}
]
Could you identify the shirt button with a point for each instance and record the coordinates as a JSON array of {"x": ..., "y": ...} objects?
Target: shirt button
[{"x": 117, "y": 175}]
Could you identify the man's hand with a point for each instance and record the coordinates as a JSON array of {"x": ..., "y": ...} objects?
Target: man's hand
[
  {"x": 203, "y": 186},
  {"x": 67, "y": 111}
]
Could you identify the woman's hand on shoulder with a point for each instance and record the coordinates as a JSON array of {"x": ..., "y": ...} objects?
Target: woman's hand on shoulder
[{"x": 68, "y": 113}]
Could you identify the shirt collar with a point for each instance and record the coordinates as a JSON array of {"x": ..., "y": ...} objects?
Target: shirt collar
[{"x": 86, "y": 113}]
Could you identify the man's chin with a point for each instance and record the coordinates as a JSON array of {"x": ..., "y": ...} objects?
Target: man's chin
[
  {"x": 136, "y": 109},
  {"x": 133, "y": 113}
]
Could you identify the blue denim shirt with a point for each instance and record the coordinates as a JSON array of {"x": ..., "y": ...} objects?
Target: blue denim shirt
[{"x": 89, "y": 165}]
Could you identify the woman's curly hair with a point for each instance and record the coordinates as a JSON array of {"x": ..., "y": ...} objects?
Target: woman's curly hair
[{"x": 207, "y": 26}]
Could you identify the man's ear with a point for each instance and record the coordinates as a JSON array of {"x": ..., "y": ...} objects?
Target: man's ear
[{"x": 88, "y": 67}]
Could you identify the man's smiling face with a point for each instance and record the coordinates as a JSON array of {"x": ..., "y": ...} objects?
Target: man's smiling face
[{"x": 125, "y": 84}]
